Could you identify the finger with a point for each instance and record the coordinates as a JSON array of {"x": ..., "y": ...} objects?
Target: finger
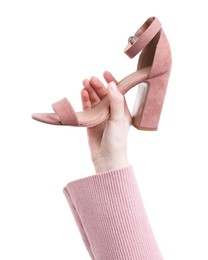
[
  {"x": 86, "y": 103},
  {"x": 93, "y": 97},
  {"x": 109, "y": 77},
  {"x": 98, "y": 87},
  {"x": 116, "y": 103}
]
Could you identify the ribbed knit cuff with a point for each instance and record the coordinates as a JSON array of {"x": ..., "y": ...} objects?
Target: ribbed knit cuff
[{"x": 109, "y": 212}]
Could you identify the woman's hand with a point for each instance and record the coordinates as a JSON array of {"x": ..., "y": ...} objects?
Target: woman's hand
[{"x": 108, "y": 140}]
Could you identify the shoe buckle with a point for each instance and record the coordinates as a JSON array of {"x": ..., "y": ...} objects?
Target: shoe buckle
[{"x": 133, "y": 39}]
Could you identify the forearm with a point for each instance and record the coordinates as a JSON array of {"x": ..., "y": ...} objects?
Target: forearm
[{"x": 111, "y": 217}]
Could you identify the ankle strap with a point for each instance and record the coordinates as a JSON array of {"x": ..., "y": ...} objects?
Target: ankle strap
[{"x": 142, "y": 36}]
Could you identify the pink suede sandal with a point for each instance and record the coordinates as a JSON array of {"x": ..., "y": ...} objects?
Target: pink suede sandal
[{"x": 153, "y": 68}]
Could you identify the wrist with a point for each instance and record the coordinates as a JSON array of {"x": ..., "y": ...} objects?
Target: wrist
[{"x": 104, "y": 164}]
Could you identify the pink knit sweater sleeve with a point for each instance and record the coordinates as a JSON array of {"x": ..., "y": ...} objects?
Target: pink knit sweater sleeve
[{"x": 110, "y": 215}]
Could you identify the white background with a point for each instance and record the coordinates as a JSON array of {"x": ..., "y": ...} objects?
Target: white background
[{"x": 46, "y": 49}]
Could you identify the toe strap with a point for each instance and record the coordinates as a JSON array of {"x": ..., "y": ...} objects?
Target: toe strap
[{"x": 65, "y": 112}]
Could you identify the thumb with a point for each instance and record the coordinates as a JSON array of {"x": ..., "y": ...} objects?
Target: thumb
[{"x": 116, "y": 102}]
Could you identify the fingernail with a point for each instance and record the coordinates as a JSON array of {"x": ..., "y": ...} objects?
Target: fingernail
[{"x": 113, "y": 86}]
